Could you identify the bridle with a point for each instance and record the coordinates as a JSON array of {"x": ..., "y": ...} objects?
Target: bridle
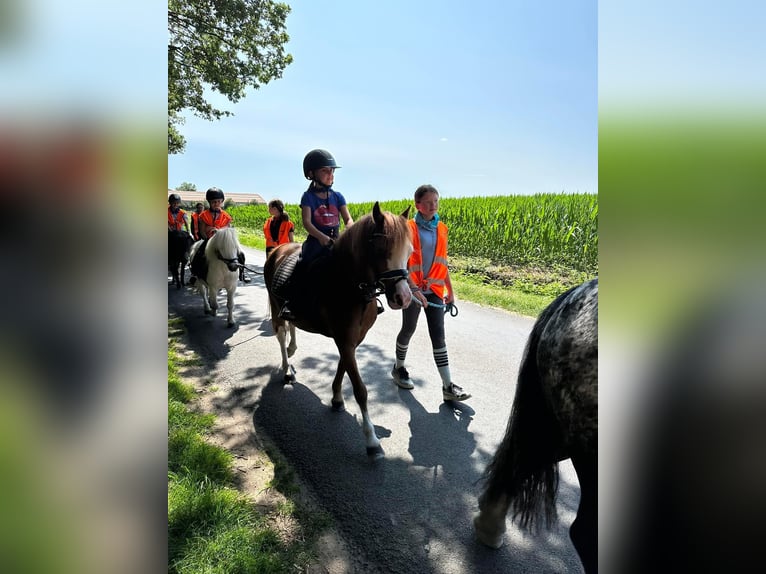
[
  {"x": 384, "y": 282},
  {"x": 229, "y": 261}
]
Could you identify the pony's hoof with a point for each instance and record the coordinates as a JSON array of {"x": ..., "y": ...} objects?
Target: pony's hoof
[
  {"x": 339, "y": 407},
  {"x": 493, "y": 540},
  {"x": 375, "y": 452},
  {"x": 231, "y": 324}
]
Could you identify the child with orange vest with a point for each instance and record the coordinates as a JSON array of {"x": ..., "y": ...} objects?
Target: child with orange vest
[
  {"x": 198, "y": 208},
  {"x": 278, "y": 228},
  {"x": 213, "y": 218},
  {"x": 432, "y": 288},
  {"x": 176, "y": 216},
  {"x": 210, "y": 221}
]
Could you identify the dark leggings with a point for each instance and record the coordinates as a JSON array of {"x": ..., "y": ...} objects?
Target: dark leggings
[{"x": 434, "y": 317}]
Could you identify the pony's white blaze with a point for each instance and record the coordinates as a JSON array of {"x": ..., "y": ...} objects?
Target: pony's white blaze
[{"x": 403, "y": 295}]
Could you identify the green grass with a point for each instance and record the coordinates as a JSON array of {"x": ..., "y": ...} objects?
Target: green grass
[
  {"x": 212, "y": 527},
  {"x": 473, "y": 288}
]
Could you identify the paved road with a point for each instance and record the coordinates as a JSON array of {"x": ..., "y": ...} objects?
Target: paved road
[{"x": 410, "y": 512}]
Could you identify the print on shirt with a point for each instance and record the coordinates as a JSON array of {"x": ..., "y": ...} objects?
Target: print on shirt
[{"x": 327, "y": 216}]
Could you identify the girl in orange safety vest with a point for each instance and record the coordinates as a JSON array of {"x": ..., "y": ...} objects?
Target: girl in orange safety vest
[
  {"x": 431, "y": 287},
  {"x": 278, "y": 228}
]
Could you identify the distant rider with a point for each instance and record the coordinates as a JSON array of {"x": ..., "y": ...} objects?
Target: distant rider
[
  {"x": 177, "y": 219},
  {"x": 210, "y": 221}
]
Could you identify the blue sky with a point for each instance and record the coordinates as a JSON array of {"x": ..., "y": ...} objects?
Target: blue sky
[{"x": 491, "y": 98}]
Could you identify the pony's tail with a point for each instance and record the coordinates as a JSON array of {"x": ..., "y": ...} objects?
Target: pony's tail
[{"x": 525, "y": 466}]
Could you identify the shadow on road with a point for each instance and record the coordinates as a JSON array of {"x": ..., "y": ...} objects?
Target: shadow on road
[
  {"x": 410, "y": 512},
  {"x": 400, "y": 514}
]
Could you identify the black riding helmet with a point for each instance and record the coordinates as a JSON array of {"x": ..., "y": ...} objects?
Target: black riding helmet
[
  {"x": 174, "y": 197},
  {"x": 317, "y": 158},
  {"x": 213, "y": 193}
]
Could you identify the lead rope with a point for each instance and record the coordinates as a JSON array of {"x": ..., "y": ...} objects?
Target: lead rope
[{"x": 450, "y": 308}]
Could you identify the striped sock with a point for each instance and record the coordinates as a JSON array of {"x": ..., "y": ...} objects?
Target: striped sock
[
  {"x": 442, "y": 363},
  {"x": 401, "y": 354}
]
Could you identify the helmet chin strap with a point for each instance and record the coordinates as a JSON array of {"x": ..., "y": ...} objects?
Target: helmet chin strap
[{"x": 319, "y": 185}]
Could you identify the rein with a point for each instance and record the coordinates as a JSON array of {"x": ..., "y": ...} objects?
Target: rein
[{"x": 246, "y": 268}]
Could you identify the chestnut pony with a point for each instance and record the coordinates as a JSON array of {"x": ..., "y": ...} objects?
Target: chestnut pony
[{"x": 338, "y": 296}]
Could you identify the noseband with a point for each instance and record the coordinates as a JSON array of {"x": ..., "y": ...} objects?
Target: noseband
[
  {"x": 231, "y": 263},
  {"x": 384, "y": 283},
  {"x": 225, "y": 260}
]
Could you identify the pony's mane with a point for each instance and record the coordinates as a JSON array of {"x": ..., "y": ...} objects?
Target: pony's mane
[
  {"x": 224, "y": 240},
  {"x": 395, "y": 228}
]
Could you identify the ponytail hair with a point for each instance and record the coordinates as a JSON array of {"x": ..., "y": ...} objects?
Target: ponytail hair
[{"x": 280, "y": 206}]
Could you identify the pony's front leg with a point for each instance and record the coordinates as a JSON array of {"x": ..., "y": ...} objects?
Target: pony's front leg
[
  {"x": 489, "y": 522},
  {"x": 293, "y": 344},
  {"x": 203, "y": 289},
  {"x": 348, "y": 360},
  {"x": 212, "y": 298},
  {"x": 338, "y": 403},
  {"x": 230, "y": 307},
  {"x": 287, "y": 374}
]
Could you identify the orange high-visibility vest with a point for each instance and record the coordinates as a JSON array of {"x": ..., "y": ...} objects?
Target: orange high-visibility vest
[
  {"x": 177, "y": 221},
  {"x": 223, "y": 220},
  {"x": 437, "y": 275},
  {"x": 195, "y": 225},
  {"x": 285, "y": 227}
]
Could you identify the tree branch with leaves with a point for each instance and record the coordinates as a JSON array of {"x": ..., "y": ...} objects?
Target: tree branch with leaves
[{"x": 225, "y": 45}]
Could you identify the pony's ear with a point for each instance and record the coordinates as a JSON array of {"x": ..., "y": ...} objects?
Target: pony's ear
[
  {"x": 377, "y": 214},
  {"x": 406, "y": 213}
]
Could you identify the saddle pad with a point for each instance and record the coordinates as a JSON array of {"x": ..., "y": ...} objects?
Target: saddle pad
[
  {"x": 285, "y": 270},
  {"x": 199, "y": 262}
]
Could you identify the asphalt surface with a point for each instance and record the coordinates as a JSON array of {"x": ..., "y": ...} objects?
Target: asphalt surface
[{"x": 410, "y": 512}]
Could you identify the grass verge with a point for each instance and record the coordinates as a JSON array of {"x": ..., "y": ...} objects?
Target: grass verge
[{"x": 213, "y": 527}]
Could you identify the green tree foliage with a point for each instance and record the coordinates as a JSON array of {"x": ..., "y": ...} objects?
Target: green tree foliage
[
  {"x": 186, "y": 186},
  {"x": 225, "y": 45}
]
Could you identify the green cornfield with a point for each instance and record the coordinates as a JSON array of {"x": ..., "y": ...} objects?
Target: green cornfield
[{"x": 548, "y": 230}]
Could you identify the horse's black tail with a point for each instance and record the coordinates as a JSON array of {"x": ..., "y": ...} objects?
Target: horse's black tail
[{"x": 525, "y": 466}]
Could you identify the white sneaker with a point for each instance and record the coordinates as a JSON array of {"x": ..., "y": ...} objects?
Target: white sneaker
[
  {"x": 454, "y": 393},
  {"x": 402, "y": 378}
]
